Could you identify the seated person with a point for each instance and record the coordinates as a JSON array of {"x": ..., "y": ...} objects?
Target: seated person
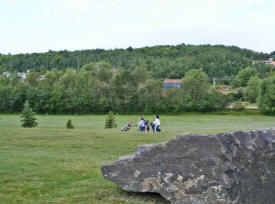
[
  {"x": 147, "y": 126},
  {"x": 156, "y": 124},
  {"x": 126, "y": 127}
]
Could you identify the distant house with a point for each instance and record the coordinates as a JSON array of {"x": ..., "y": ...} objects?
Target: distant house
[
  {"x": 22, "y": 75},
  {"x": 7, "y": 74},
  {"x": 224, "y": 90},
  {"x": 270, "y": 61},
  {"x": 171, "y": 83},
  {"x": 41, "y": 77}
]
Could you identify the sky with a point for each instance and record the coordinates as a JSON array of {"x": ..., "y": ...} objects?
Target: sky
[{"x": 28, "y": 26}]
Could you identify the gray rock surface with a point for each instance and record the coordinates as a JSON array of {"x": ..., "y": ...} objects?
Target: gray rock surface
[{"x": 226, "y": 168}]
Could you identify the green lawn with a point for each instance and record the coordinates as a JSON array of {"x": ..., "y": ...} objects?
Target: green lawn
[{"x": 50, "y": 164}]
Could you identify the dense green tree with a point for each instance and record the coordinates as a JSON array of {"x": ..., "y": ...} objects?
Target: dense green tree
[
  {"x": 175, "y": 101},
  {"x": 52, "y": 77},
  {"x": 266, "y": 98},
  {"x": 33, "y": 78},
  {"x": 252, "y": 89},
  {"x": 213, "y": 101},
  {"x": 28, "y": 116},
  {"x": 263, "y": 69},
  {"x": 20, "y": 93},
  {"x": 195, "y": 83},
  {"x": 244, "y": 75},
  {"x": 1, "y": 69},
  {"x": 6, "y": 98}
]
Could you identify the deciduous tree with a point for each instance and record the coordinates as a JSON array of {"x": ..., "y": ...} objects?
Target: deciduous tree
[
  {"x": 267, "y": 95},
  {"x": 195, "y": 83}
]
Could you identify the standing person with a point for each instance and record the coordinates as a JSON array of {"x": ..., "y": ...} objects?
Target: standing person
[
  {"x": 141, "y": 124},
  {"x": 156, "y": 124}
]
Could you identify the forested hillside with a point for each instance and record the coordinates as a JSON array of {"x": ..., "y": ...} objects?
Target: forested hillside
[
  {"x": 130, "y": 80},
  {"x": 162, "y": 61}
]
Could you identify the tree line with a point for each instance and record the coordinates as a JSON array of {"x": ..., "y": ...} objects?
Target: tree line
[
  {"x": 99, "y": 87},
  {"x": 130, "y": 80},
  {"x": 162, "y": 61}
]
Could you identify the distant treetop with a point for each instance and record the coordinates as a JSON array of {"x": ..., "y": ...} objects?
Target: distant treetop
[{"x": 164, "y": 61}]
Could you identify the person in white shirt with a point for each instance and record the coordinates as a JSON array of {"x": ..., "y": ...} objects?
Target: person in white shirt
[{"x": 156, "y": 124}]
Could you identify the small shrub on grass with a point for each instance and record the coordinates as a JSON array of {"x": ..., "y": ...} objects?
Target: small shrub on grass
[
  {"x": 28, "y": 116},
  {"x": 69, "y": 124},
  {"x": 110, "y": 121}
]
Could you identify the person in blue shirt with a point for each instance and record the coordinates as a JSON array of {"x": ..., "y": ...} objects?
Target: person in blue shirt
[{"x": 141, "y": 124}]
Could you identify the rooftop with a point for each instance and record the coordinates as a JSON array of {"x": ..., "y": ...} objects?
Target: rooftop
[{"x": 174, "y": 81}]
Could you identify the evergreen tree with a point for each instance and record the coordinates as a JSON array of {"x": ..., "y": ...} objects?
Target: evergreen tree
[
  {"x": 69, "y": 124},
  {"x": 110, "y": 120},
  {"x": 28, "y": 116}
]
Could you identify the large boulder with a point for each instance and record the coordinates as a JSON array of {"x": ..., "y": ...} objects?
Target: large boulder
[{"x": 234, "y": 167}]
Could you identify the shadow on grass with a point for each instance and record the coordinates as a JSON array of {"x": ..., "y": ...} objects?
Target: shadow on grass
[{"x": 143, "y": 197}]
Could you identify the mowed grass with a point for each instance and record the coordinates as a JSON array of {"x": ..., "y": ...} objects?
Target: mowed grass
[{"x": 51, "y": 164}]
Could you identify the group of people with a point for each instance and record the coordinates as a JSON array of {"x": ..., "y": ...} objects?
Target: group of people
[{"x": 144, "y": 125}]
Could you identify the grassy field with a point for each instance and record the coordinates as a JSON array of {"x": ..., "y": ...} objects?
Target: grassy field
[{"x": 50, "y": 164}]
